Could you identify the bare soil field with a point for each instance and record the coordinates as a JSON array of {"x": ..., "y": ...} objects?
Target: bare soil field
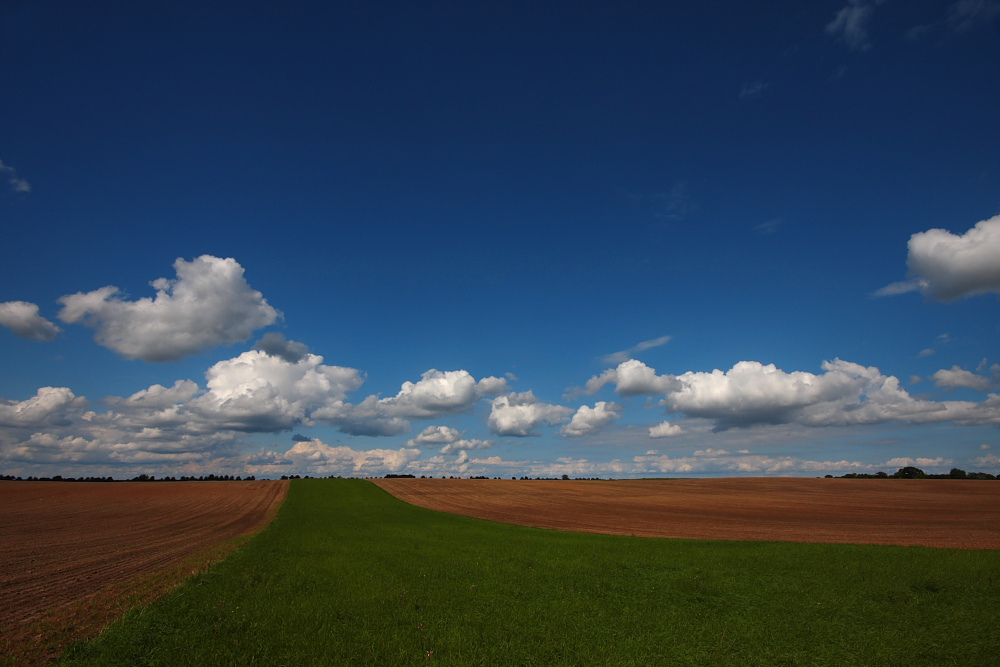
[
  {"x": 72, "y": 553},
  {"x": 963, "y": 514}
]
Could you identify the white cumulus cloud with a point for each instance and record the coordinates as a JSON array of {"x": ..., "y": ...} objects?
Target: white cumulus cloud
[
  {"x": 260, "y": 392},
  {"x": 632, "y": 378},
  {"x": 276, "y": 345},
  {"x": 664, "y": 430},
  {"x": 752, "y": 393},
  {"x": 435, "y": 435},
  {"x": 521, "y": 414},
  {"x": 208, "y": 304},
  {"x": 588, "y": 419},
  {"x": 23, "y": 319},
  {"x": 159, "y": 408},
  {"x": 987, "y": 461},
  {"x": 436, "y": 393},
  {"x": 49, "y": 406},
  {"x": 492, "y": 386},
  {"x": 919, "y": 462},
  {"x": 449, "y": 437},
  {"x": 463, "y": 446},
  {"x": 959, "y": 377},
  {"x": 323, "y": 459},
  {"x": 946, "y": 266}
]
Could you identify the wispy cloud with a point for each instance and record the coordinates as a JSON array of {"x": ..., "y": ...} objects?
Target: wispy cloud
[
  {"x": 16, "y": 184},
  {"x": 965, "y": 15},
  {"x": 753, "y": 89},
  {"x": 671, "y": 205},
  {"x": 616, "y": 358},
  {"x": 742, "y": 462},
  {"x": 768, "y": 227},
  {"x": 940, "y": 341},
  {"x": 850, "y": 24}
]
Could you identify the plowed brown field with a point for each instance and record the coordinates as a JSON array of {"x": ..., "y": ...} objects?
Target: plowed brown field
[
  {"x": 961, "y": 514},
  {"x": 70, "y": 550}
]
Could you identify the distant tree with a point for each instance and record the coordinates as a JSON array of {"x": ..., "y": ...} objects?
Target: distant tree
[
  {"x": 957, "y": 473},
  {"x": 881, "y": 475},
  {"x": 909, "y": 472},
  {"x": 565, "y": 476}
]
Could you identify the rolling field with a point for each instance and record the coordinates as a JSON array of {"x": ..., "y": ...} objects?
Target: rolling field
[
  {"x": 349, "y": 575},
  {"x": 71, "y": 551},
  {"x": 917, "y": 512}
]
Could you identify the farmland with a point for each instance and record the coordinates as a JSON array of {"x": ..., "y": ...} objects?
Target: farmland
[
  {"x": 349, "y": 575},
  {"x": 917, "y": 512},
  {"x": 71, "y": 554}
]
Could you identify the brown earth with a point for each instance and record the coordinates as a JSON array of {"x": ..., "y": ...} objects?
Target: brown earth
[
  {"x": 962, "y": 514},
  {"x": 75, "y": 555}
]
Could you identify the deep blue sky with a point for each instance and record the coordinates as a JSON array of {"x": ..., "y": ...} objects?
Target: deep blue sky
[{"x": 529, "y": 192}]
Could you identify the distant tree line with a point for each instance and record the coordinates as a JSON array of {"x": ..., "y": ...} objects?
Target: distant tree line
[
  {"x": 910, "y": 472},
  {"x": 408, "y": 476},
  {"x": 138, "y": 478}
]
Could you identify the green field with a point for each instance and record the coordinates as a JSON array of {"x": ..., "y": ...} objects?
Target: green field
[{"x": 348, "y": 575}]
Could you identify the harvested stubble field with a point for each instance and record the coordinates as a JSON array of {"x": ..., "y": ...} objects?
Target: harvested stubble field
[
  {"x": 963, "y": 514},
  {"x": 73, "y": 555}
]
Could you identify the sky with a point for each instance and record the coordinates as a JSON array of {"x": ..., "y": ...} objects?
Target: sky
[{"x": 630, "y": 239}]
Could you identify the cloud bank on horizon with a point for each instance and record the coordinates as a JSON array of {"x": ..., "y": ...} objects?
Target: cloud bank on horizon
[
  {"x": 280, "y": 386},
  {"x": 474, "y": 240}
]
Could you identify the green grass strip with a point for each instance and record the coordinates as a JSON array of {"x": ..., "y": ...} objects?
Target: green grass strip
[{"x": 348, "y": 575}]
